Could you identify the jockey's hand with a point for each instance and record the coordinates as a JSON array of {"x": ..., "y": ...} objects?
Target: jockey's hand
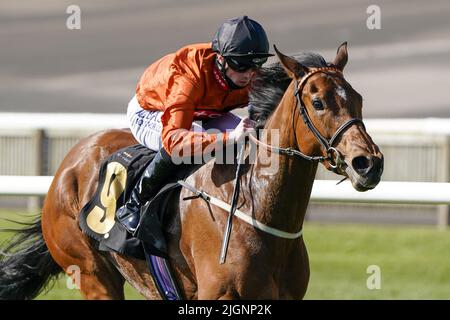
[{"x": 244, "y": 128}]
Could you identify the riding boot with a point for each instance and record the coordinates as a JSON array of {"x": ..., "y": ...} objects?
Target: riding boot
[{"x": 151, "y": 181}]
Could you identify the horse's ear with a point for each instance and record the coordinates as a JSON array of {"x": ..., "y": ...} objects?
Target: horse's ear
[
  {"x": 341, "y": 57},
  {"x": 293, "y": 68}
]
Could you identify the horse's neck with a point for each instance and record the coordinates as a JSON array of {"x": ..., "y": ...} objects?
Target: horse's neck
[{"x": 283, "y": 187}]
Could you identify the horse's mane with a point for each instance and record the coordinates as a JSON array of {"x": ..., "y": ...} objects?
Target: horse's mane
[{"x": 269, "y": 85}]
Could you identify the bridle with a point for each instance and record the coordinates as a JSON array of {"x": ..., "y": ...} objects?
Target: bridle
[{"x": 333, "y": 156}]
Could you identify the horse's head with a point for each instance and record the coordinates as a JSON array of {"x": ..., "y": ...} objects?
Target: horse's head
[{"x": 330, "y": 120}]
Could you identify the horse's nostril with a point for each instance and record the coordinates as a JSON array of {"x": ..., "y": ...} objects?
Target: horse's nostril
[{"x": 362, "y": 164}]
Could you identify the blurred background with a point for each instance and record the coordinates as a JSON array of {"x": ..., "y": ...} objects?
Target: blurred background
[{"x": 402, "y": 70}]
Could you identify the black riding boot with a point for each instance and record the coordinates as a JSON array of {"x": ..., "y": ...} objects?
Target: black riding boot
[{"x": 153, "y": 178}]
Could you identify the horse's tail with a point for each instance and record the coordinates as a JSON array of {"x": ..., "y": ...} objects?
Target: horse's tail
[{"x": 26, "y": 266}]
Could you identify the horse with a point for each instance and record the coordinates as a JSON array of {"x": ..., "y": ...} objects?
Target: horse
[{"x": 318, "y": 117}]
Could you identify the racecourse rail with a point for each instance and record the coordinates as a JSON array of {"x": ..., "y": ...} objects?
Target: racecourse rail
[
  {"x": 417, "y": 156},
  {"x": 323, "y": 191}
]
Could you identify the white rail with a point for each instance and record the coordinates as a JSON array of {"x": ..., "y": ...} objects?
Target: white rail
[
  {"x": 323, "y": 191},
  {"x": 24, "y": 185},
  {"x": 63, "y": 121},
  {"x": 432, "y": 193}
]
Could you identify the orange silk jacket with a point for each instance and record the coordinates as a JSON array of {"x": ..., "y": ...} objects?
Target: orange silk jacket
[{"x": 187, "y": 86}]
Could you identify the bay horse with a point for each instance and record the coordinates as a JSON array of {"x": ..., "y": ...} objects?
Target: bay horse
[{"x": 319, "y": 119}]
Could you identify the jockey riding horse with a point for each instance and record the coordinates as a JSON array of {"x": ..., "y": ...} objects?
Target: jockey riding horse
[{"x": 198, "y": 82}]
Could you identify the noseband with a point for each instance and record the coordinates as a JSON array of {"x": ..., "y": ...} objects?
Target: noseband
[{"x": 333, "y": 155}]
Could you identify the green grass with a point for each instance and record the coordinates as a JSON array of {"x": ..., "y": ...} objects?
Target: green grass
[
  {"x": 60, "y": 292},
  {"x": 414, "y": 263}
]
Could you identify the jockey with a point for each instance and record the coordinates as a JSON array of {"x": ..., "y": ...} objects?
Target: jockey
[{"x": 198, "y": 82}]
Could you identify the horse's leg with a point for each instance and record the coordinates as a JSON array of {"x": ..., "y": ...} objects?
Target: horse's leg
[
  {"x": 212, "y": 282},
  {"x": 105, "y": 283},
  {"x": 136, "y": 272},
  {"x": 295, "y": 279},
  {"x": 212, "y": 288}
]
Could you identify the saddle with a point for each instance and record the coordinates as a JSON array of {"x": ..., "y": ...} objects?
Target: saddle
[{"x": 117, "y": 177}]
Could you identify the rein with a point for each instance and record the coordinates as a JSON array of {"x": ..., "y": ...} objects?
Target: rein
[{"x": 333, "y": 155}]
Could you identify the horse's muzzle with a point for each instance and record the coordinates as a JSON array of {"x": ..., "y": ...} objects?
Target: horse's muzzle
[{"x": 365, "y": 171}]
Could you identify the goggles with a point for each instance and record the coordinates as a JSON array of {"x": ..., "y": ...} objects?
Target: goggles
[{"x": 245, "y": 65}]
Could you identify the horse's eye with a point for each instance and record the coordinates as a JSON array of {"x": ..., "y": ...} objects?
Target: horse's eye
[{"x": 317, "y": 104}]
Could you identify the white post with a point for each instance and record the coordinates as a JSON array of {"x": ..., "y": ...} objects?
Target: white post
[
  {"x": 443, "y": 210},
  {"x": 35, "y": 203}
]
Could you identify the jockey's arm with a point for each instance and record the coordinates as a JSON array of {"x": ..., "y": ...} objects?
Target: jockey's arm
[
  {"x": 176, "y": 134},
  {"x": 178, "y": 117}
]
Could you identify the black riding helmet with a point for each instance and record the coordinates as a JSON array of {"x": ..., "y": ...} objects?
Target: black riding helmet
[{"x": 242, "y": 42}]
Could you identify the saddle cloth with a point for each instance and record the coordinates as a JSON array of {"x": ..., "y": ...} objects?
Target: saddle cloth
[{"x": 118, "y": 175}]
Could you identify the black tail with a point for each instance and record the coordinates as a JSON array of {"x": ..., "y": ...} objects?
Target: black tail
[{"x": 26, "y": 266}]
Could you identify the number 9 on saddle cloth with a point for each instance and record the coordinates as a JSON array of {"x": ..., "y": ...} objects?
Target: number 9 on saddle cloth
[{"x": 118, "y": 175}]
